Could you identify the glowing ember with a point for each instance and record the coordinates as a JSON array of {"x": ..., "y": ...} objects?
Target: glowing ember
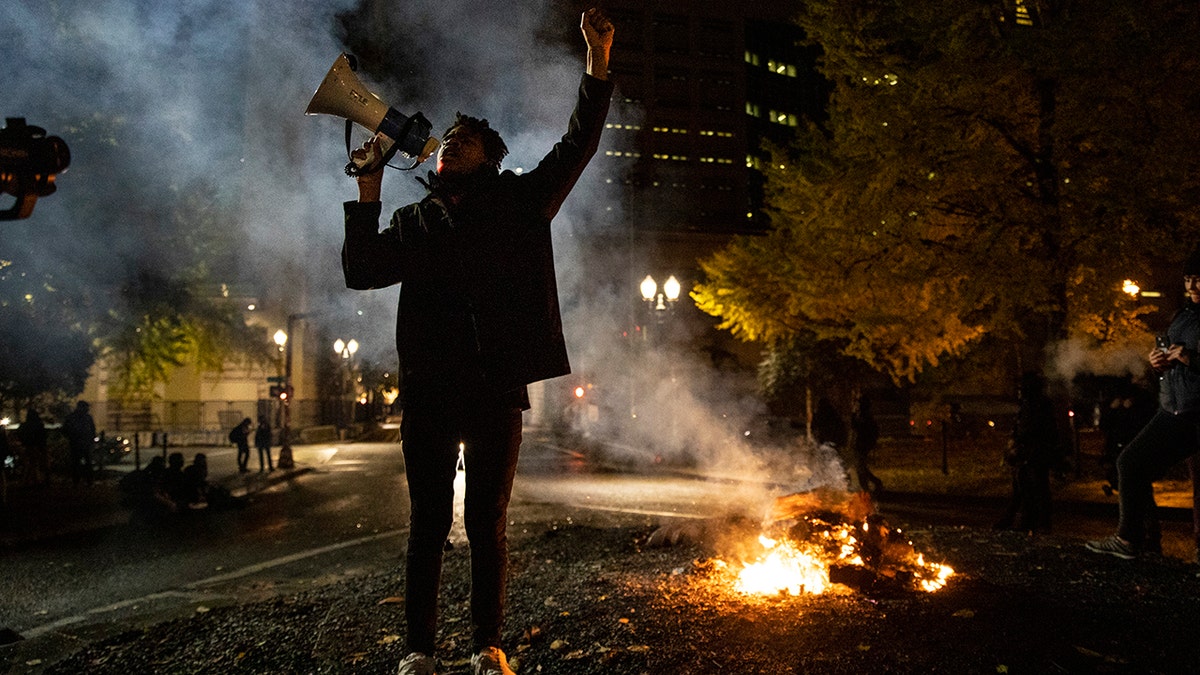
[
  {"x": 810, "y": 554},
  {"x": 784, "y": 568}
]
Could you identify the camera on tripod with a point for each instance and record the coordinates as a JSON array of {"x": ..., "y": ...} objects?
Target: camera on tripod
[{"x": 29, "y": 163}]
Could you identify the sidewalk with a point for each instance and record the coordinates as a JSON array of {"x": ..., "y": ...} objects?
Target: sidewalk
[{"x": 36, "y": 513}]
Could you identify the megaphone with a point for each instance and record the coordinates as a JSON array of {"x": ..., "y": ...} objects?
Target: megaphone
[{"x": 342, "y": 94}]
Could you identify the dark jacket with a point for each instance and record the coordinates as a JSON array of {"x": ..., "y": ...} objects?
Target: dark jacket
[
  {"x": 1179, "y": 386},
  {"x": 478, "y": 296}
]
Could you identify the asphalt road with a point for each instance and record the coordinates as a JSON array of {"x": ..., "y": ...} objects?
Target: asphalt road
[{"x": 345, "y": 518}]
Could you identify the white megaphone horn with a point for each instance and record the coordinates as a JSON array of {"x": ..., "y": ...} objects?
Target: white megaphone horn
[{"x": 343, "y": 95}]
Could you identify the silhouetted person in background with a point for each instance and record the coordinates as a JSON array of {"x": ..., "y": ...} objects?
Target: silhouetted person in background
[
  {"x": 80, "y": 430},
  {"x": 195, "y": 482},
  {"x": 203, "y": 494},
  {"x": 262, "y": 441},
  {"x": 1032, "y": 453},
  {"x": 827, "y": 425},
  {"x": 240, "y": 436},
  {"x": 866, "y": 437},
  {"x": 173, "y": 483},
  {"x": 144, "y": 493},
  {"x": 32, "y": 434}
]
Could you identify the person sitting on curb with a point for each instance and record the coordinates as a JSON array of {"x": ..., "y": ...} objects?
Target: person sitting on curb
[
  {"x": 202, "y": 494},
  {"x": 143, "y": 492}
]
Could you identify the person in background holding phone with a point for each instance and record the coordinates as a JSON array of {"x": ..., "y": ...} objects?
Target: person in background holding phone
[{"x": 1171, "y": 436}]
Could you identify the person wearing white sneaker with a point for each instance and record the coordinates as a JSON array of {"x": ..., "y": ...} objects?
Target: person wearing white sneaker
[
  {"x": 416, "y": 663},
  {"x": 490, "y": 661},
  {"x": 1172, "y": 435},
  {"x": 478, "y": 321}
]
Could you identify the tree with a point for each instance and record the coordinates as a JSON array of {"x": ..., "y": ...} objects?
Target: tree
[
  {"x": 975, "y": 177},
  {"x": 160, "y": 324},
  {"x": 171, "y": 309},
  {"x": 44, "y": 344}
]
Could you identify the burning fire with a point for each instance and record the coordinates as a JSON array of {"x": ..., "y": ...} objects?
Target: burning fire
[{"x": 810, "y": 547}]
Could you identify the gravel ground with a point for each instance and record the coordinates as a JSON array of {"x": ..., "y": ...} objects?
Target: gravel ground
[{"x": 589, "y": 596}]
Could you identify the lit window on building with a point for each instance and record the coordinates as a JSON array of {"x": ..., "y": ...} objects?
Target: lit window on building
[
  {"x": 753, "y": 110},
  {"x": 782, "y": 118},
  {"x": 1024, "y": 14},
  {"x": 752, "y": 58},
  {"x": 624, "y": 127},
  {"x": 718, "y": 134},
  {"x": 781, "y": 68}
]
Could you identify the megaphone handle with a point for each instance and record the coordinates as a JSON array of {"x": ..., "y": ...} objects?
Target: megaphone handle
[{"x": 373, "y": 161}]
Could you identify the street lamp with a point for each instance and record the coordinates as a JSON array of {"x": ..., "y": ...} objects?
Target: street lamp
[
  {"x": 278, "y": 390},
  {"x": 659, "y": 302},
  {"x": 669, "y": 294},
  {"x": 281, "y": 339},
  {"x": 345, "y": 350}
]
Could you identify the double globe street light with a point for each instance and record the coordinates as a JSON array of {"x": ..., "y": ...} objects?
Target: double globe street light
[{"x": 346, "y": 350}]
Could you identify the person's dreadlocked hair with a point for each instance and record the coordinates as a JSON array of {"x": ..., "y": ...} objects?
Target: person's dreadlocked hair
[{"x": 493, "y": 146}]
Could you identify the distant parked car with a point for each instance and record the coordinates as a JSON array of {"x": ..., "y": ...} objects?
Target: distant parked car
[{"x": 112, "y": 449}]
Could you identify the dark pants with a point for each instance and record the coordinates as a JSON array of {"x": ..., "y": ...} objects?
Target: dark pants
[
  {"x": 243, "y": 456},
  {"x": 265, "y": 450},
  {"x": 430, "y": 435},
  {"x": 1164, "y": 442}
]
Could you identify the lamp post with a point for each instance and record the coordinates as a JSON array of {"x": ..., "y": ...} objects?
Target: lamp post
[
  {"x": 280, "y": 339},
  {"x": 346, "y": 350},
  {"x": 285, "y": 450},
  {"x": 658, "y": 301}
]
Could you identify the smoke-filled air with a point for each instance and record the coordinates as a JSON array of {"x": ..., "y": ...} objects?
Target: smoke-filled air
[{"x": 187, "y": 117}]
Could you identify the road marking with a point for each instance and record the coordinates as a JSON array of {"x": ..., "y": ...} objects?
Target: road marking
[
  {"x": 191, "y": 587},
  {"x": 284, "y": 560}
]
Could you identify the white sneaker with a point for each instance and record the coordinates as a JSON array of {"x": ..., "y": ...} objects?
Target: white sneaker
[
  {"x": 490, "y": 661},
  {"x": 416, "y": 663}
]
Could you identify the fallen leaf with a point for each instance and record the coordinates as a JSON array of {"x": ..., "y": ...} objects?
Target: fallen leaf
[
  {"x": 387, "y": 639},
  {"x": 202, "y": 609},
  {"x": 965, "y": 614},
  {"x": 392, "y": 600},
  {"x": 558, "y": 644},
  {"x": 864, "y": 648}
]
